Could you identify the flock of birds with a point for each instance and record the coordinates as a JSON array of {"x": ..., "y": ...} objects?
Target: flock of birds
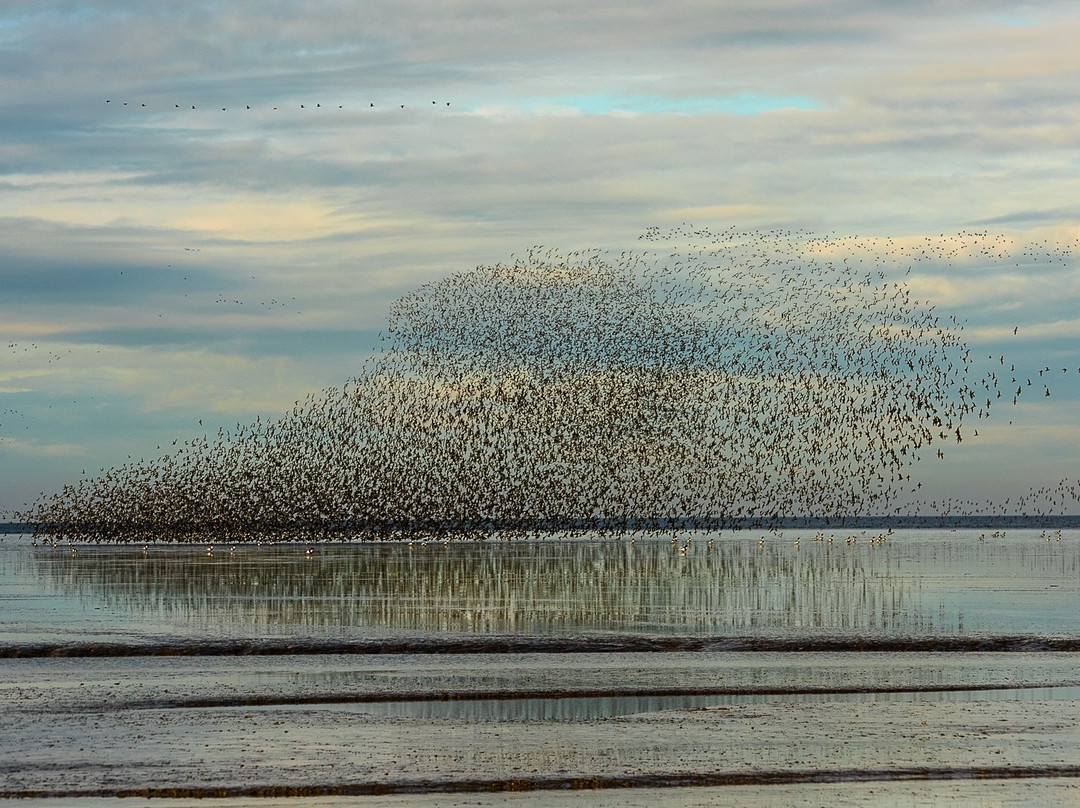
[
  {"x": 714, "y": 377},
  {"x": 248, "y": 107}
]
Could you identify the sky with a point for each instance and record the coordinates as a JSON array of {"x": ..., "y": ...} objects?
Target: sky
[{"x": 208, "y": 208}]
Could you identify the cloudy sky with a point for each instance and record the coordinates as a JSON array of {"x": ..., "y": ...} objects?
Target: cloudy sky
[{"x": 208, "y": 207}]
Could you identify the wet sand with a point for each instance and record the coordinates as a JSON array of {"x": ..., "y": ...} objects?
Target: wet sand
[
  {"x": 80, "y": 728},
  {"x": 252, "y": 725},
  {"x": 954, "y": 794}
]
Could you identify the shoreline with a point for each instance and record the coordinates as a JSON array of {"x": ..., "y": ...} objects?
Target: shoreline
[{"x": 98, "y": 729}]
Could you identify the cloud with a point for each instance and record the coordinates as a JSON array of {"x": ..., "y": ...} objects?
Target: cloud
[
  {"x": 569, "y": 125},
  {"x": 35, "y": 449},
  {"x": 1067, "y": 215},
  {"x": 1056, "y": 330}
]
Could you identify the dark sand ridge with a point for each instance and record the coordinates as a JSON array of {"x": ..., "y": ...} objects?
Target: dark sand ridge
[{"x": 110, "y": 744}]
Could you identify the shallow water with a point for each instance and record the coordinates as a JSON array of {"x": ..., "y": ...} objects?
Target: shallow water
[
  {"x": 929, "y": 668},
  {"x": 917, "y": 584},
  {"x": 592, "y": 708}
]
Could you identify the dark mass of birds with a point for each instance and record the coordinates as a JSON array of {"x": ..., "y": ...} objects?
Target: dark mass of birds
[{"x": 711, "y": 377}]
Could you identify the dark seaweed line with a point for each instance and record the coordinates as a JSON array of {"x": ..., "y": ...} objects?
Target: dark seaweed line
[
  {"x": 559, "y": 694},
  {"x": 549, "y": 645},
  {"x": 581, "y": 783}
]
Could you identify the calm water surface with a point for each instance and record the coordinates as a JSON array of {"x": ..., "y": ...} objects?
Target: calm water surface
[{"x": 915, "y": 583}]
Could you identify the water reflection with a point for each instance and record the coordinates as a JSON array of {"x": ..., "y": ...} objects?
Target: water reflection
[
  {"x": 732, "y": 586},
  {"x": 595, "y": 708}
]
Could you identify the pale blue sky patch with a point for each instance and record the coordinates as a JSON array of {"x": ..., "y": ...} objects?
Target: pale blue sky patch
[
  {"x": 1019, "y": 18},
  {"x": 743, "y": 103}
]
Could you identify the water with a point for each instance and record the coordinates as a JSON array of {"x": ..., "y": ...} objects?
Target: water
[
  {"x": 916, "y": 584},
  {"x": 639, "y": 668},
  {"x": 592, "y": 708}
]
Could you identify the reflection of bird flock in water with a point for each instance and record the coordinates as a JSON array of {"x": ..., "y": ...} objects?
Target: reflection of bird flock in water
[{"x": 718, "y": 378}]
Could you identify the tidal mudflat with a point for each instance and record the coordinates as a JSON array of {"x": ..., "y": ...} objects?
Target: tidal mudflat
[{"x": 926, "y": 667}]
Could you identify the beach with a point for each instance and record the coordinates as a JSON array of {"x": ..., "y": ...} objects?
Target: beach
[{"x": 336, "y": 686}]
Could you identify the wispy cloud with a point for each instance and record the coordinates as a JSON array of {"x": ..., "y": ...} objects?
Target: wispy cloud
[
  {"x": 34, "y": 448},
  {"x": 167, "y": 238}
]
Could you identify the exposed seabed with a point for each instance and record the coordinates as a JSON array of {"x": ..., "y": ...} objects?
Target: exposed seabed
[
  {"x": 255, "y": 725},
  {"x": 269, "y": 730}
]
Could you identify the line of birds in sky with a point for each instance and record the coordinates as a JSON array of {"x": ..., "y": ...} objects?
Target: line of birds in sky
[
  {"x": 733, "y": 377},
  {"x": 296, "y": 105}
]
